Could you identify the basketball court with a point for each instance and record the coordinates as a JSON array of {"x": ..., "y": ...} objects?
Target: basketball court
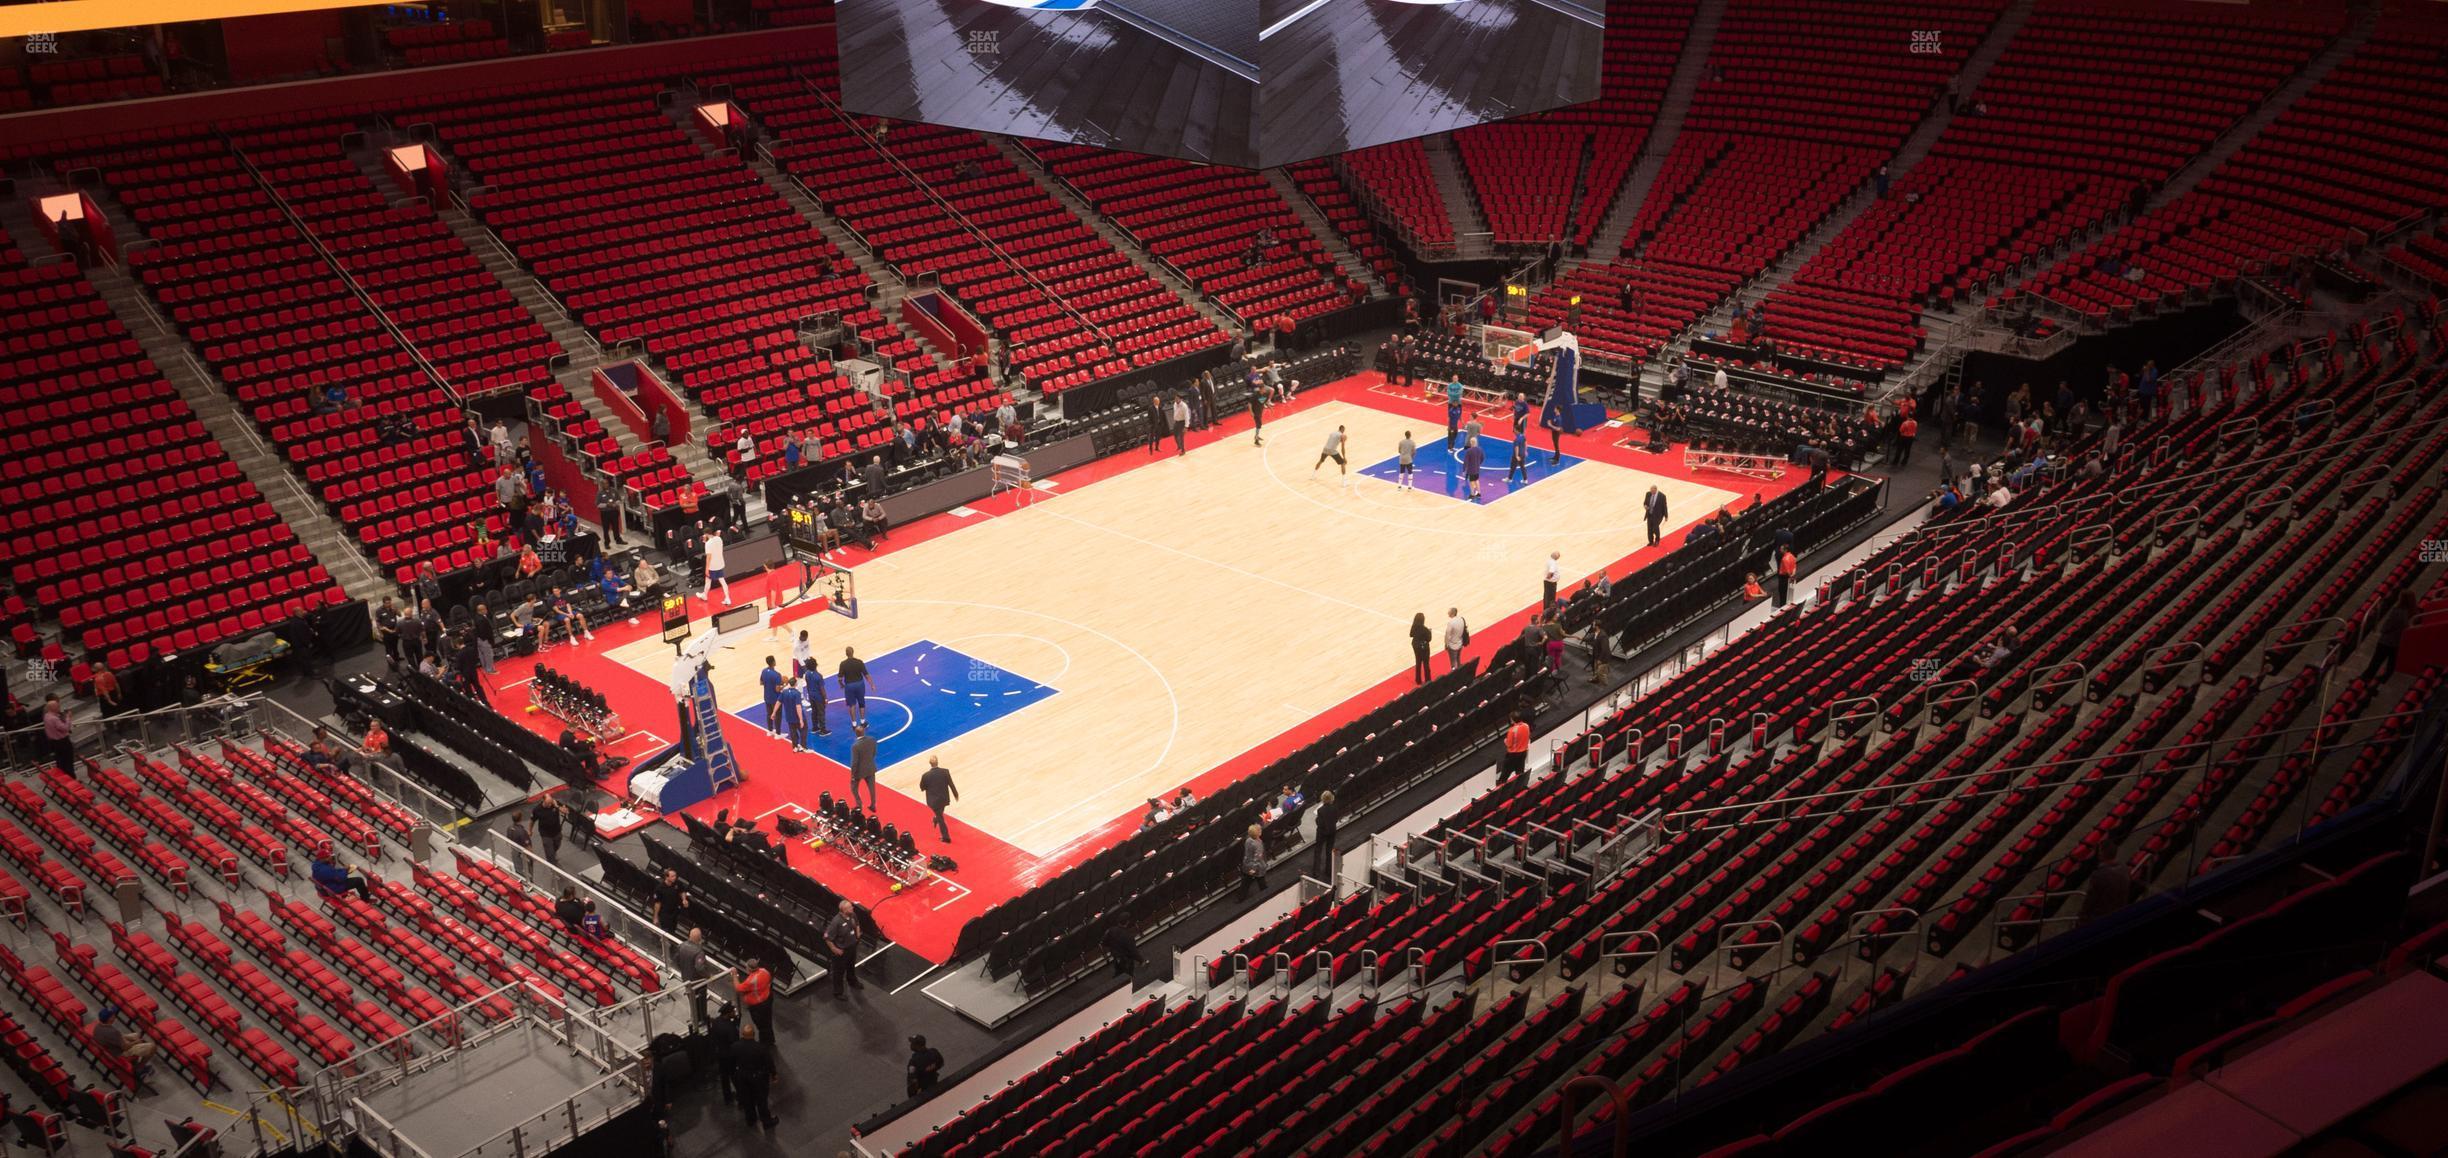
[{"x": 1152, "y": 622}]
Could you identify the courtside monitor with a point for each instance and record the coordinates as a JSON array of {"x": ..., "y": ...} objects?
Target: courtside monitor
[{"x": 1250, "y": 83}]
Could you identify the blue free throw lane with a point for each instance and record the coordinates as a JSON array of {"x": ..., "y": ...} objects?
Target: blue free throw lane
[
  {"x": 1439, "y": 472},
  {"x": 919, "y": 697}
]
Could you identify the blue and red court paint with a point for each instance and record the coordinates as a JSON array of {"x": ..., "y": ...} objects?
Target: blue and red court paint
[
  {"x": 1439, "y": 472},
  {"x": 919, "y": 697},
  {"x": 993, "y": 871}
]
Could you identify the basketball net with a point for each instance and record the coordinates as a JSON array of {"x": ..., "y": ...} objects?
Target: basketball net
[{"x": 1504, "y": 346}]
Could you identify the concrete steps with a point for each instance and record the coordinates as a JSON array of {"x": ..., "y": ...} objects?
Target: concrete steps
[
  {"x": 332, "y": 545},
  {"x": 1663, "y": 130},
  {"x": 1471, "y": 235},
  {"x": 2358, "y": 32},
  {"x": 1345, "y": 256},
  {"x": 1910, "y": 153},
  {"x": 1122, "y": 242}
]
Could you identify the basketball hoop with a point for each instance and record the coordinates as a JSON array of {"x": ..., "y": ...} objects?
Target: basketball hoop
[{"x": 1504, "y": 346}]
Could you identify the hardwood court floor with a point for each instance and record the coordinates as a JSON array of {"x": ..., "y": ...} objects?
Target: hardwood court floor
[{"x": 1192, "y": 608}]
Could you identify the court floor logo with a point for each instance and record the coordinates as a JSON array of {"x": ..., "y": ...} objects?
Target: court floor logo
[{"x": 1049, "y": 4}]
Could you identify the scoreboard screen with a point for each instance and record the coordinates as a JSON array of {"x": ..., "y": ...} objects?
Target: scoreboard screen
[{"x": 1248, "y": 83}]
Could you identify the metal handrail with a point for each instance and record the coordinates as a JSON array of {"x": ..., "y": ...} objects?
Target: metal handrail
[
  {"x": 1566, "y": 1111},
  {"x": 1855, "y": 924},
  {"x": 365, "y": 298},
  {"x": 2006, "y": 919},
  {"x": 2269, "y": 497},
  {"x": 439, "y": 807},
  {"x": 1931, "y": 702},
  {"x": 1718, "y": 955},
  {"x": 948, "y": 209},
  {"x": 1833, "y": 719},
  {"x": 1497, "y": 961},
  {"x": 10, "y": 739},
  {"x": 1657, "y": 946},
  {"x": 2362, "y": 477},
  {"x": 2137, "y": 756},
  {"x": 2038, "y": 685},
  {"x": 2156, "y": 659},
  {"x": 2102, "y": 534},
  {"x": 2327, "y": 449}
]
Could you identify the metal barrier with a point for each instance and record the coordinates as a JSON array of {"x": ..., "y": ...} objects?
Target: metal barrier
[
  {"x": 2155, "y": 660},
  {"x": 2082, "y": 538},
  {"x": 1497, "y": 961},
  {"x": 2006, "y": 907},
  {"x": 338, "y": 1083},
  {"x": 384, "y": 1137},
  {"x": 1780, "y": 808},
  {"x": 567, "y": 1120},
  {"x": 1858, "y": 922},
  {"x": 625, "y": 924},
  {"x": 2039, "y": 685},
  {"x": 2269, "y": 497},
  {"x": 2176, "y": 520},
  {"x": 1325, "y": 972},
  {"x": 1718, "y": 955},
  {"x": 441, "y": 815},
  {"x": 25, "y": 749},
  {"x": 1566, "y": 1111},
  {"x": 1932, "y": 702},
  {"x": 1620, "y": 955},
  {"x": 2364, "y": 476},
  {"x": 1834, "y": 720}
]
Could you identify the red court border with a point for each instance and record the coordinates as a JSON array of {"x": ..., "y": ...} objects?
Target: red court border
[{"x": 927, "y": 919}]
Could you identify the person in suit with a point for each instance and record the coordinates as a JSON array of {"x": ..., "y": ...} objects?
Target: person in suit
[
  {"x": 863, "y": 767},
  {"x": 925, "y": 1066},
  {"x": 936, "y": 784},
  {"x": 841, "y": 936},
  {"x": 1253, "y": 861},
  {"x": 1322, "y": 850},
  {"x": 752, "y": 1072},
  {"x": 1653, "y": 509},
  {"x": 1420, "y": 637}
]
